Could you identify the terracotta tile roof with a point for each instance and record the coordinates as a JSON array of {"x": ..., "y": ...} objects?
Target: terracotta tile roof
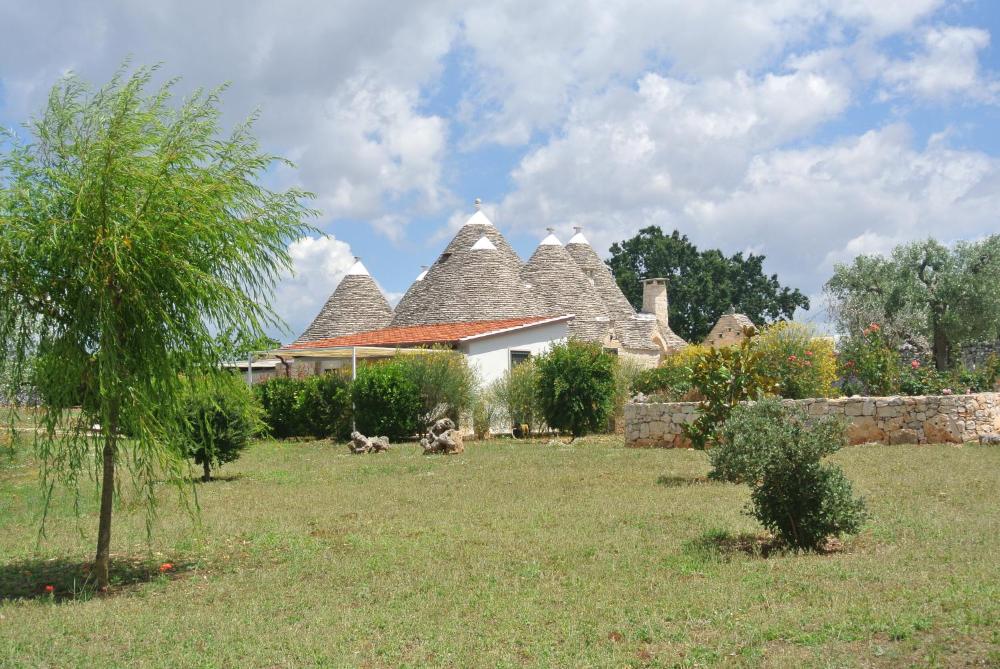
[{"x": 415, "y": 335}]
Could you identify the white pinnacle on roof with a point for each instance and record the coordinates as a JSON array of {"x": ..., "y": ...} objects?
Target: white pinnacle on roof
[
  {"x": 551, "y": 240},
  {"x": 483, "y": 244},
  {"x": 479, "y": 218},
  {"x": 423, "y": 273},
  {"x": 578, "y": 238},
  {"x": 358, "y": 268}
]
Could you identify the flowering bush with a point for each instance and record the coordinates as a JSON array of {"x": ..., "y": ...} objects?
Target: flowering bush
[
  {"x": 802, "y": 364},
  {"x": 917, "y": 378},
  {"x": 868, "y": 364}
]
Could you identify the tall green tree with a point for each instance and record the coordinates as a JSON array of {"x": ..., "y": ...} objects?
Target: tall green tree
[
  {"x": 131, "y": 230},
  {"x": 945, "y": 296},
  {"x": 703, "y": 284}
]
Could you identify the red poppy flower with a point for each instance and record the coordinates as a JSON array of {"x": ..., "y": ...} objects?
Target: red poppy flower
[
  {"x": 166, "y": 566},
  {"x": 915, "y": 364},
  {"x": 50, "y": 589}
]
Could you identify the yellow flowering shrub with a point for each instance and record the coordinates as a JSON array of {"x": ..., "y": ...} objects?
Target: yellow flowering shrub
[{"x": 804, "y": 364}]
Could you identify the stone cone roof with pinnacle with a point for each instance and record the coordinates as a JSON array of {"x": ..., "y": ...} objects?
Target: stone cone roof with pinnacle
[
  {"x": 594, "y": 268},
  {"x": 357, "y": 305},
  {"x": 476, "y": 283},
  {"x": 562, "y": 288},
  {"x": 478, "y": 226}
]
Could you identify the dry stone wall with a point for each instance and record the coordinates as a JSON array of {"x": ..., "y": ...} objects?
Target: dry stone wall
[{"x": 888, "y": 420}]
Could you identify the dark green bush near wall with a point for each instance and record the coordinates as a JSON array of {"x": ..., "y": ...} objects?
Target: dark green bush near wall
[
  {"x": 778, "y": 452},
  {"x": 279, "y": 398},
  {"x": 324, "y": 406},
  {"x": 387, "y": 401},
  {"x": 576, "y": 387}
]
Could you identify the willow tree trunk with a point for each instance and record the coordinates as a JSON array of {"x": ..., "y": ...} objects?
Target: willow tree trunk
[
  {"x": 207, "y": 469},
  {"x": 102, "y": 562}
]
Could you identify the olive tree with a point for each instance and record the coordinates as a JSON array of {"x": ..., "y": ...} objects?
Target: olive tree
[
  {"x": 131, "y": 231},
  {"x": 923, "y": 291}
]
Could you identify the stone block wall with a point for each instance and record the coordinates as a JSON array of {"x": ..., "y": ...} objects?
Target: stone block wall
[{"x": 888, "y": 420}]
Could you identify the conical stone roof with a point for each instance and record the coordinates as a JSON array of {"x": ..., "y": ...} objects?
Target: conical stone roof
[
  {"x": 562, "y": 288},
  {"x": 476, "y": 283},
  {"x": 593, "y": 267},
  {"x": 412, "y": 295},
  {"x": 477, "y": 226},
  {"x": 357, "y": 305}
]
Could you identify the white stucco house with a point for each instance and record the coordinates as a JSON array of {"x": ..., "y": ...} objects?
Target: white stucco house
[{"x": 491, "y": 347}]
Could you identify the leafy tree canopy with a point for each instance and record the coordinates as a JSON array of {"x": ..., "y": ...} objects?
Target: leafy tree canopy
[
  {"x": 924, "y": 292},
  {"x": 131, "y": 230},
  {"x": 703, "y": 284}
]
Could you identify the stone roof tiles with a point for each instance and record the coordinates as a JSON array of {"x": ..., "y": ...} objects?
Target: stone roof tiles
[
  {"x": 356, "y": 305},
  {"x": 618, "y": 307}
]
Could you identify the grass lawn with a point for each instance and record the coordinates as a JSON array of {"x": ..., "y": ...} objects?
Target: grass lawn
[{"x": 512, "y": 554}]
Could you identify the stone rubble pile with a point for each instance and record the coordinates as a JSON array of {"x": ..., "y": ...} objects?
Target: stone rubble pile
[
  {"x": 443, "y": 438},
  {"x": 359, "y": 443}
]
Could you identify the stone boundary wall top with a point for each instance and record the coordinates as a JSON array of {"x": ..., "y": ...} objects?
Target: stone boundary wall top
[{"x": 888, "y": 420}]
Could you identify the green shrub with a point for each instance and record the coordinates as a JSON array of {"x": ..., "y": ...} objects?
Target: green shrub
[
  {"x": 868, "y": 363},
  {"x": 443, "y": 378},
  {"x": 801, "y": 364},
  {"x": 982, "y": 379},
  {"x": 515, "y": 397},
  {"x": 323, "y": 404},
  {"x": 778, "y": 452},
  {"x": 725, "y": 377},
  {"x": 279, "y": 399},
  {"x": 387, "y": 401},
  {"x": 627, "y": 372},
  {"x": 671, "y": 381},
  {"x": 484, "y": 412},
  {"x": 222, "y": 417},
  {"x": 576, "y": 387}
]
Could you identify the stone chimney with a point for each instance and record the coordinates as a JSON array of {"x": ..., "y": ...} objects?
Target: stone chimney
[{"x": 654, "y": 300}]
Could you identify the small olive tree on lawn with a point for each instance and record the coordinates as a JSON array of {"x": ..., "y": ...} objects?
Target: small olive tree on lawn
[
  {"x": 778, "y": 451},
  {"x": 131, "y": 231},
  {"x": 576, "y": 387}
]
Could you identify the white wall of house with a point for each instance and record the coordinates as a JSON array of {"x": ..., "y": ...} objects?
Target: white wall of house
[{"x": 490, "y": 355}]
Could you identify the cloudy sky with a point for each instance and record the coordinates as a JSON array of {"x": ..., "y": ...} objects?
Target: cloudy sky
[{"x": 806, "y": 130}]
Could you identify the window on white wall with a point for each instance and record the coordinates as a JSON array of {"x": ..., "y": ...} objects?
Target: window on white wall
[{"x": 517, "y": 357}]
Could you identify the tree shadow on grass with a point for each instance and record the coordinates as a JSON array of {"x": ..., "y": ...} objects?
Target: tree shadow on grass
[
  {"x": 60, "y": 580},
  {"x": 673, "y": 481},
  {"x": 723, "y": 545},
  {"x": 216, "y": 478}
]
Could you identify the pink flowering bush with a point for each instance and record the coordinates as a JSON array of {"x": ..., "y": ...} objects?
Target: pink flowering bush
[{"x": 868, "y": 364}]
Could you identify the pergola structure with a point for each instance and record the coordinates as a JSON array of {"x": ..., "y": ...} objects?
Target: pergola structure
[{"x": 353, "y": 353}]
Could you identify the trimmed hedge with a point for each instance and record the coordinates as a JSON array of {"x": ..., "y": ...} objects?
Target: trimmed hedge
[{"x": 387, "y": 401}]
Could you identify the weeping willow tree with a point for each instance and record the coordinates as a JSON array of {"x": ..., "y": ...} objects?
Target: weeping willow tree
[{"x": 131, "y": 229}]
